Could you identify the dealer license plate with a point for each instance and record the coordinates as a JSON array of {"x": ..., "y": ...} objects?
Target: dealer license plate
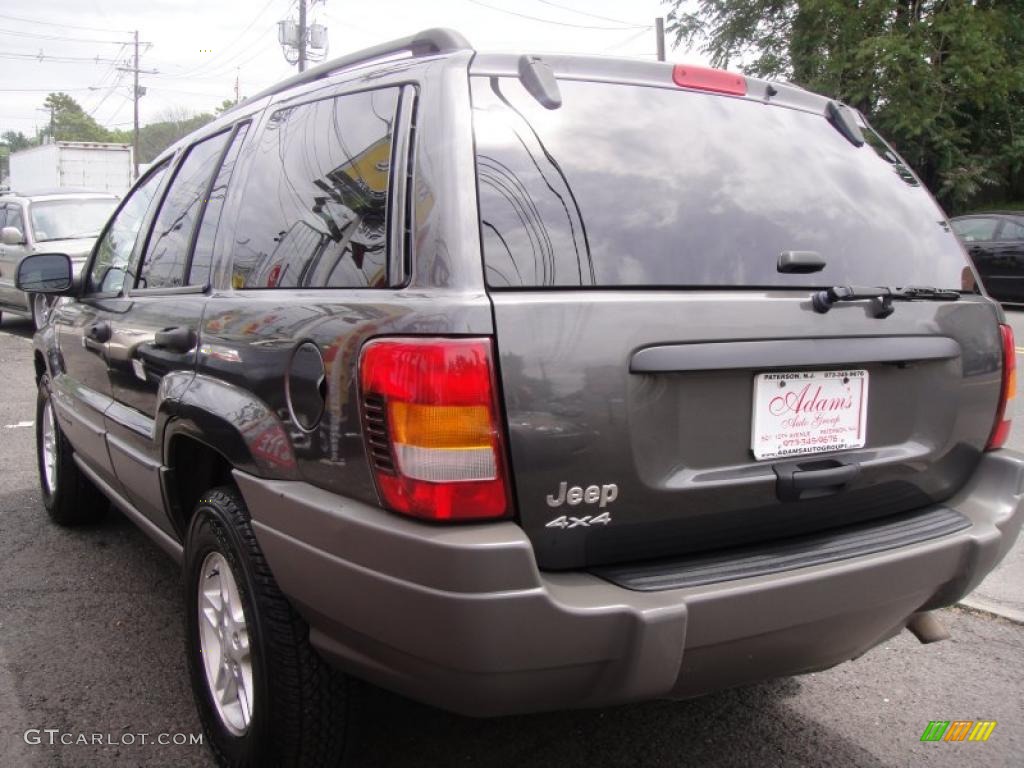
[{"x": 802, "y": 412}]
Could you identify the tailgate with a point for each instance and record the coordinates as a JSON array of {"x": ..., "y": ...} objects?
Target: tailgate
[
  {"x": 668, "y": 385},
  {"x": 676, "y": 442}
]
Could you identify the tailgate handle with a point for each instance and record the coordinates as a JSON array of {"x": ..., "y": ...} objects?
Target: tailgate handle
[{"x": 794, "y": 479}]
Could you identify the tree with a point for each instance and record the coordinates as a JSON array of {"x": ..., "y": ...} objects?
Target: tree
[
  {"x": 16, "y": 140},
  {"x": 171, "y": 125},
  {"x": 70, "y": 122},
  {"x": 225, "y": 106},
  {"x": 941, "y": 79}
]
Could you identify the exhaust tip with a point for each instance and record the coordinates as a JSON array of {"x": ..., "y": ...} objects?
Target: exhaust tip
[{"x": 928, "y": 628}]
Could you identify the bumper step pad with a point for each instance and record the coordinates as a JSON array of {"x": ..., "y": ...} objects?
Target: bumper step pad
[{"x": 786, "y": 554}]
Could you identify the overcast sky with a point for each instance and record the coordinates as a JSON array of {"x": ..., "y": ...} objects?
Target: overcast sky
[{"x": 199, "y": 46}]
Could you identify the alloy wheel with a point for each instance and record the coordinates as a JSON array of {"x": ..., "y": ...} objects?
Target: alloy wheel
[
  {"x": 224, "y": 640},
  {"x": 49, "y": 441},
  {"x": 40, "y": 310}
]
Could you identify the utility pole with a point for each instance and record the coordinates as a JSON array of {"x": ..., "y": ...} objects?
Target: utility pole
[
  {"x": 659, "y": 32},
  {"x": 302, "y": 35},
  {"x": 135, "y": 102},
  {"x": 53, "y": 122},
  {"x": 302, "y": 42},
  {"x": 137, "y": 93},
  {"x": 237, "y": 73}
]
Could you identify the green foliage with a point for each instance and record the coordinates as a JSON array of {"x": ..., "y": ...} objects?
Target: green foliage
[
  {"x": 155, "y": 137},
  {"x": 70, "y": 122},
  {"x": 16, "y": 140},
  {"x": 225, "y": 106},
  {"x": 943, "y": 80}
]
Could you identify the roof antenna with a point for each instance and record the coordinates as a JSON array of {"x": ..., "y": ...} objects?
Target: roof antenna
[{"x": 539, "y": 81}]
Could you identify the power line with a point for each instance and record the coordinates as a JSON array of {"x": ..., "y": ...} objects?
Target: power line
[
  {"x": 206, "y": 64},
  {"x": 160, "y": 88},
  {"x": 628, "y": 40},
  {"x": 41, "y": 57},
  {"x": 591, "y": 15},
  {"x": 111, "y": 90},
  {"x": 229, "y": 65},
  {"x": 60, "y": 24},
  {"x": 551, "y": 21},
  {"x": 223, "y": 68},
  {"x": 43, "y": 90},
  {"x": 62, "y": 38},
  {"x": 107, "y": 95},
  {"x": 111, "y": 72}
]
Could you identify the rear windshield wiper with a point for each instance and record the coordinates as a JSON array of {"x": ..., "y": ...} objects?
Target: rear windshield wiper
[{"x": 823, "y": 301}]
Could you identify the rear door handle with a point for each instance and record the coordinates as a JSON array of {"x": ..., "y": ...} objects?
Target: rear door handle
[
  {"x": 98, "y": 332},
  {"x": 794, "y": 479},
  {"x": 179, "y": 338}
]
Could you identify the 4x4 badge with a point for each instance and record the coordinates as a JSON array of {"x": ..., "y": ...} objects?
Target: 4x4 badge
[{"x": 568, "y": 521}]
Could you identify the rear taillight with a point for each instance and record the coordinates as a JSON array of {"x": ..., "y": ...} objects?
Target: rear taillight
[
  {"x": 705, "y": 79},
  {"x": 1001, "y": 428},
  {"x": 433, "y": 434}
]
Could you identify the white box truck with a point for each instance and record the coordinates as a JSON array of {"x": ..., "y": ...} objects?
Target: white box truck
[{"x": 88, "y": 165}]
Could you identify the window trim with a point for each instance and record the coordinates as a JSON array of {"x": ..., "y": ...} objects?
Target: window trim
[
  {"x": 236, "y": 129},
  {"x": 146, "y": 223},
  {"x": 183, "y": 155},
  {"x": 400, "y": 197},
  {"x": 401, "y": 165},
  {"x": 27, "y": 242}
]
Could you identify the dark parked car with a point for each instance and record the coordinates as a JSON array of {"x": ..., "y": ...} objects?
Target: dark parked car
[
  {"x": 516, "y": 383},
  {"x": 995, "y": 242}
]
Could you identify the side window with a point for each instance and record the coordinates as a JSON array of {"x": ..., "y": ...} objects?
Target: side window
[
  {"x": 972, "y": 230},
  {"x": 202, "y": 254},
  {"x": 1012, "y": 230},
  {"x": 115, "y": 249},
  {"x": 14, "y": 218},
  {"x": 163, "y": 265},
  {"x": 314, "y": 211}
]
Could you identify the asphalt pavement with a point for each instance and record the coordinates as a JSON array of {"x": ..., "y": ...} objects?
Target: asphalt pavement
[{"x": 91, "y": 649}]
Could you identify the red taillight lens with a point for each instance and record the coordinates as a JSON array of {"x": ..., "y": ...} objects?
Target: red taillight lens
[
  {"x": 430, "y": 417},
  {"x": 1001, "y": 428},
  {"x": 705, "y": 79}
]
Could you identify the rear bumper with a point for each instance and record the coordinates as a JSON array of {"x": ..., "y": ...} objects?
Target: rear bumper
[{"x": 461, "y": 618}]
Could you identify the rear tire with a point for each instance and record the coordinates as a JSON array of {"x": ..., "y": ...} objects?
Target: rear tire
[
  {"x": 264, "y": 696},
  {"x": 69, "y": 496}
]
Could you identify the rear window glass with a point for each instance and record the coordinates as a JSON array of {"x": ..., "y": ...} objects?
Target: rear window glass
[
  {"x": 639, "y": 186},
  {"x": 976, "y": 229}
]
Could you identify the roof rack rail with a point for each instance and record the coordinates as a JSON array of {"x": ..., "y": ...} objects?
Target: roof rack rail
[{"x": 436, "y": 40}]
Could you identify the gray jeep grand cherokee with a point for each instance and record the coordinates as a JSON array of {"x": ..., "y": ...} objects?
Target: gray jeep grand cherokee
[{"x": 518, "y": 383}]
